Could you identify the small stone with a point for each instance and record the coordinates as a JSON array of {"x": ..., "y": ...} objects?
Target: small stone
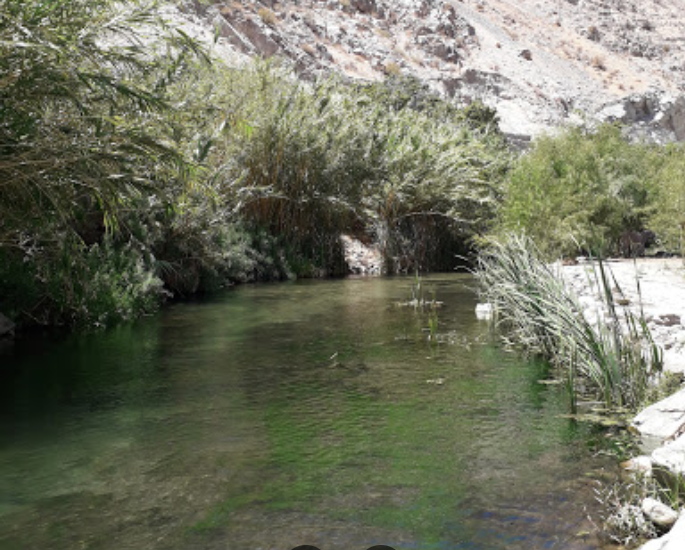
[
  {"x": 484, "y": 312},
  {"x": 668, "y": 320},
  {"x": 640, "y": 464},
  {"x": 658, "y": 513}
]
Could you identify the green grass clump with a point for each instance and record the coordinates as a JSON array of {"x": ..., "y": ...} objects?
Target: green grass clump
[{"x": 615, "y": 357}]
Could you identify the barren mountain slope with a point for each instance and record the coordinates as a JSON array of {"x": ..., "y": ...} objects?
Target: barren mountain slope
[{"x": 542, "y": 63}]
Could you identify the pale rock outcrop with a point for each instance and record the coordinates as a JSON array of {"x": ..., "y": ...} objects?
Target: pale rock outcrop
[
  {"x": 671, "y": 457},
  {"x": 362, "y": 259},
  {"x": 552, "y": 63},
  {"x": 654, "y": 116}
]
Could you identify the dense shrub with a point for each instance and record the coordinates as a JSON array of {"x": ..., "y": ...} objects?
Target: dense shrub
[
  {"x": 127, "y": 160},
  {"x": 667, "y": 217},
  {"x": 311, "y": 162},
  {"x": 75, "y": 284},
  {"x": 581, "y": 187}
]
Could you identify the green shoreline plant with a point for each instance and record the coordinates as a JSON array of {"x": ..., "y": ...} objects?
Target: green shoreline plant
[
  {"x": 134, "y": 168},
  {"x": 615, "y": 357}
]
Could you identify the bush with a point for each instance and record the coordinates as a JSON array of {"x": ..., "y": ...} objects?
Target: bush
[
  {"x": 308, "y": 163},
  {"x": 71, "y": 284},
  {"x": 580, "y": 187},
  {"x": 168, "y": 168},
  {"x": 667, "y": 217}
]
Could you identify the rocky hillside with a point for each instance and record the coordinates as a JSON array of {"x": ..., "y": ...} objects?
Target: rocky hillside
[{"x": 541, "y": 63}]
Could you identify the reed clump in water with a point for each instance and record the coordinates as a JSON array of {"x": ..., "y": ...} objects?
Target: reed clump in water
[{"x": 614, "y": 357}]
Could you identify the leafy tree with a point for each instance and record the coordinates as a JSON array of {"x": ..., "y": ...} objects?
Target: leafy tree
[{"x": 580, "y": 187}]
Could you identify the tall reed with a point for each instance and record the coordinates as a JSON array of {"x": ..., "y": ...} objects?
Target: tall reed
[{"x": 615, "y": 357}]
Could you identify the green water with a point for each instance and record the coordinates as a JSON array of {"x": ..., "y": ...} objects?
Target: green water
[{"x": 279, "y": 415}]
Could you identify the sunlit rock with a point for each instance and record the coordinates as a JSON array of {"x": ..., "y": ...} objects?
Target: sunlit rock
[
  {"x": 658, "y": 513},
  {"x": 638, "y": 464},
  {"x": 484, "y": 312},
  {"x": 671, "y": 456},
  {"x": 664, "y": 419},
  {"x": 674, "y": 540}
]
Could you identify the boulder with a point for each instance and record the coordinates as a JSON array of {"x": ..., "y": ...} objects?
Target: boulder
[
  {"x": 663, "y": 420},
  {"x": 658, "y": 513},
  {"x": 674, "y": 540},
  {"x": 6, "y": 326},
  {"x": 671, "y": 457}
]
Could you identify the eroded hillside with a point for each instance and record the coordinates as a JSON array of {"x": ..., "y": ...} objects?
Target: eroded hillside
[{"x": 541, "y": 63}]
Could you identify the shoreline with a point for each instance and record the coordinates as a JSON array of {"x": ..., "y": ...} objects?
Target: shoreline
[{"x": 657, "y": 287}]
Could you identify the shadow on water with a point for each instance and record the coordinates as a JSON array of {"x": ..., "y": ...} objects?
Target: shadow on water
[{"x": 273, "y": 416}]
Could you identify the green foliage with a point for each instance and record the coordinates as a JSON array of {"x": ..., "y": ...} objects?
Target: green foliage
[
  {"x": 311, "y": 162},
  {"x": 616, "y": 357},
  {"x": 580, "y": 187},
  {"x": 79, "y": 91},
  {"x": 70, "y": 283},
  {"x": 82, "y": 146},
  {"x": 124, "y": 152},
  {"x": 667, "y": 218}
]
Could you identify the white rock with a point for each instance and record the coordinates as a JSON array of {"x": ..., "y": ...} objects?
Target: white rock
[
  {"x": 663, "y": 419},
  {"x": 674, "y": 540},
  {"x": 671, "y": 456},
  {"x": 658, "y": 513},
  {"x": 641, "y": 464},
  {"x": 484, "y": 312}
]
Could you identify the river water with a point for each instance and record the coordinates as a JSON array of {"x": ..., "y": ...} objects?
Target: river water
[{"x": 271, "y": 416}]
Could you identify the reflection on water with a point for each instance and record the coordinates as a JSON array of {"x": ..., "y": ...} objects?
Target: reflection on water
[{"x": 280, "y": 415}]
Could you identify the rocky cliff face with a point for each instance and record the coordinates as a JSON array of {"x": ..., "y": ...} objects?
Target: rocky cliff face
[{"x": 541, "y": 63}]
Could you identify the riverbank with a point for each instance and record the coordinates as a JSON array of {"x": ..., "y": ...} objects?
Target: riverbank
[{"x": 657, "y": 286}]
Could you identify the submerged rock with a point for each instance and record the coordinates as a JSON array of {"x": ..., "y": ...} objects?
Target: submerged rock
[
  {"x": 658, "y": 513},
  {"x": 6, "y": 326}
]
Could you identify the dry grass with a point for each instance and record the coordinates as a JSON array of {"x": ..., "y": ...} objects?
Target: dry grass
[
  {"x": 308, "y": 49},
  {"x": 392, "y": 69},
  {"x": 598, "y": 63},
  {"x": 267, "y": 16}
]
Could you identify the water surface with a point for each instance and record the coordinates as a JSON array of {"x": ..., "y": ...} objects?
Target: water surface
[{"x": 277, "y": 415}]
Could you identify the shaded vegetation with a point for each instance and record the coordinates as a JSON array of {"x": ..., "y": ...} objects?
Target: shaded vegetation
[{"x": 133, "y": 167}]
